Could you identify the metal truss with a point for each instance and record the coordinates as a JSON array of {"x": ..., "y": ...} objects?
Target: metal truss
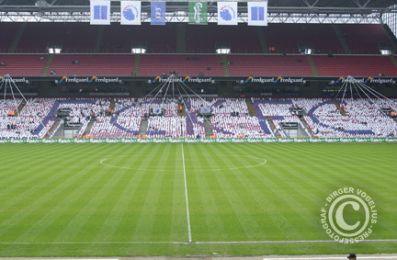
[
  {"x": 295, "y": 11},
  {"x": 182, "y": 17}
]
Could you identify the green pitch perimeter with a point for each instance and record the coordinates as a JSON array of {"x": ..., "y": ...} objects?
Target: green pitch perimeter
[{"x": 190, "y": 199}]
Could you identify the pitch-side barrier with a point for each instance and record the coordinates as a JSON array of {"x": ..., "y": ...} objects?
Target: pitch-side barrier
[{"x": 202, "y": 140}]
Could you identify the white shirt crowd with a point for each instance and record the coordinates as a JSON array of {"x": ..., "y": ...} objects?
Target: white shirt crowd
[{"x": 230, "y": 117}]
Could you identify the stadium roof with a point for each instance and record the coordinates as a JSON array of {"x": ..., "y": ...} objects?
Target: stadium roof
[
  {"x": 280, "y": 11},
  {"x": 274, "y": 5}
]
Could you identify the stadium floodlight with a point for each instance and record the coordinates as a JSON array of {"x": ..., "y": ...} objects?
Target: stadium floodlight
[
  {"x": 223, "y": 51},
  {"x": 42, "y": 3},
  {"x": 138, "y": 50},
  {"x": 54, "y": 50},
  {"x": 385, "y": 52},
  {"x": 308, "y": 51}
]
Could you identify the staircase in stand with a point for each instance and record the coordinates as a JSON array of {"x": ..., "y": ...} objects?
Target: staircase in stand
[
  {"x": 208, "y": 127},
  {"x": 144, "y": 126},
  {"x": 250, "y": 106},
  {"x": 90, "y": 124},
  {"x": 59, "y": 132},
  {"x": 47, "y": 66},
  {"x": 313, "y": 66},
  {"x": 306, "y": 126},
  {"x": 226, "y": 66},
  {"x": 273, "y": 127},
  {"x": 51, "y": 132},
  {"x": 21, "y": 106},
  {"x": 136, "y": 65}
]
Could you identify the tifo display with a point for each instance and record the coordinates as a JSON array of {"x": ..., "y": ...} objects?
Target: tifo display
[{"x": 230, "y": 118}]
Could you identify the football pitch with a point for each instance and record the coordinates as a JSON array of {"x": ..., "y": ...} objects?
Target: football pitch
[{"x": 188, "y": 199}]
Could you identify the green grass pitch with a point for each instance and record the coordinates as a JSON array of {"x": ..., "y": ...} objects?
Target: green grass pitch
[{"x": 130, "y": 199}]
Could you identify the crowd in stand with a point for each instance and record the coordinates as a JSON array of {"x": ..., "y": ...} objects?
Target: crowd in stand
[
  {"x": 236, "y": 126},
  {"x": 231, "y": 118},
  {"x": 352, "y": 118},
  {"x": 166, "y": 126},
  {"x": 275, "y": 109},
  {"x": 197, "y": 125},
  {"x": 79, "y": 113},
  {"x": 122, "y": 122},
  {"x": 25, "y": 123}
]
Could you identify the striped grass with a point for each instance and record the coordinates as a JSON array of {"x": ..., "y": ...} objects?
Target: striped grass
[{"x": 130, "y": 199}]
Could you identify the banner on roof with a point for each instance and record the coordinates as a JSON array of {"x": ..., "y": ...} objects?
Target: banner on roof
[
  {"x": 130, "y": 12},
  {"x": 227, "y": 13},
  {"x": 157, "y": 13},
  {"x": 257, "y": 13},
  {"x": 198, "y": 12},
  {"x": 100, "y": 12}
]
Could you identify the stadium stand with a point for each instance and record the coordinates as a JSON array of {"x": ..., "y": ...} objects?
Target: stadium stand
[
  {"x": 273, "y": 65},
  {"x": 194, "y": 65},
  {"x": 88, "y": 65},
  {"x": 208, "y": 65},
  {"x": 355, "y": 65},
  {"x": 276, "y": 38},
  {"x": 230, "y": 118},
  {"x": 339, "y": 50},
  {"x": 23, "y": 65},
  {"x": 280, "y": 46}
]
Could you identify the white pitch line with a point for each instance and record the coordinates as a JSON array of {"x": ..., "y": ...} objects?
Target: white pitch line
[
  {"x": 189, "y": 229},
  {"x": 288, "y": 242},
  {"x": 264, "y": 242},
  {"x": 99, "y": 243},
  {"x": 377, "y": 257}
]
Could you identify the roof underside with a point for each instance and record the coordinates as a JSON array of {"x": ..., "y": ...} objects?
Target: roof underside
[{"x": 274, "y": 5}]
